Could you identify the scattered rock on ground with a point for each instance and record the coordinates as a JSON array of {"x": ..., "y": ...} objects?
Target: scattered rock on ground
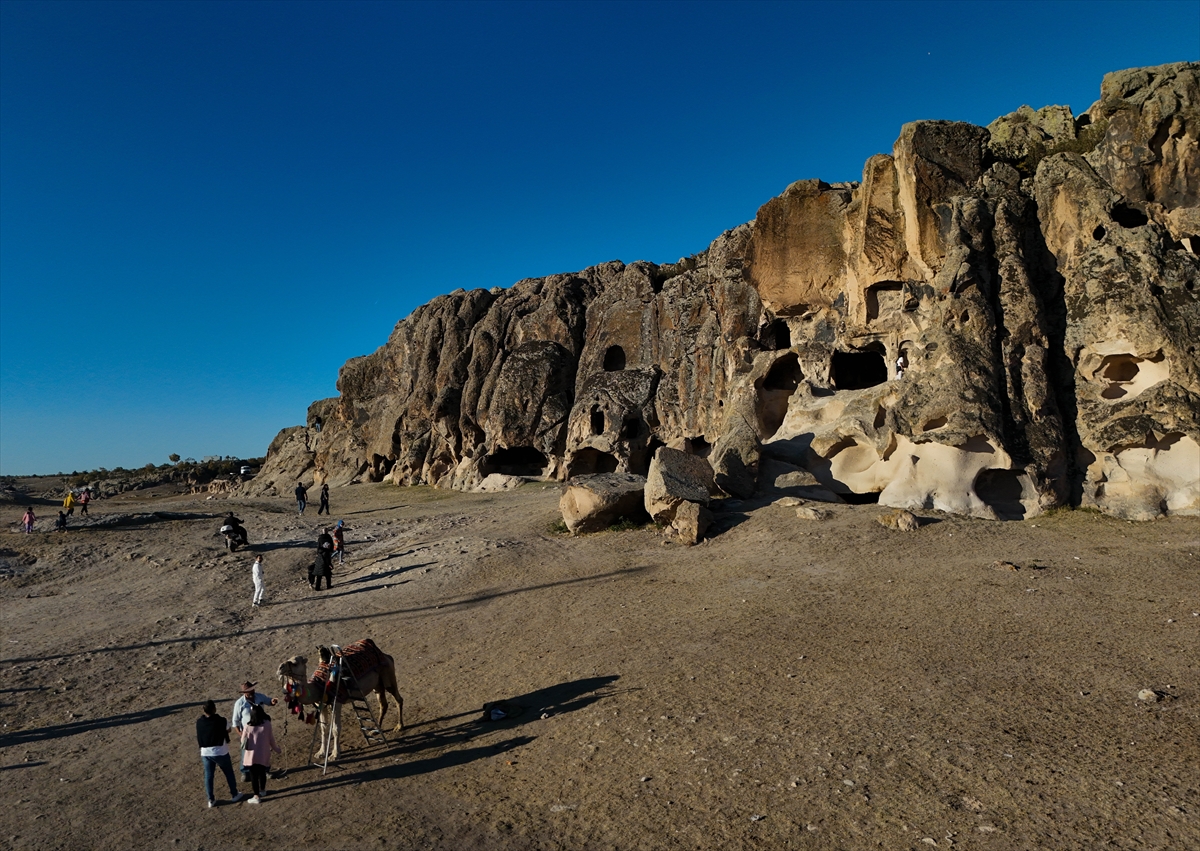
[{"x": 901, "y": 521}]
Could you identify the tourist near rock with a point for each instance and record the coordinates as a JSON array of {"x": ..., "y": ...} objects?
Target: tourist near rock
[{"x": 993, "y": 322}]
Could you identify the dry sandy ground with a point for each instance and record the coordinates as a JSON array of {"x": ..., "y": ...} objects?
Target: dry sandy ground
[{"x": 787, "y": 684}]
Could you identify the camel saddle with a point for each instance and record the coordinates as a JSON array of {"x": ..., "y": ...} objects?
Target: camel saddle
[{"x": 361, "y": 658}]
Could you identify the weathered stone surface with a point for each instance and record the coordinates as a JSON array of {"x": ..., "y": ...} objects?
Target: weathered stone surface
[
  {"x": 593, "y": 503},
  {"x": 690, "y": 522},
  {"x": 995, "y": 321},
  {"x": 901, "y": 521},
  {"x": 498, "y": 482},
  {"x": 675, "y": 478},
  {"x": 812, "y": 512}
]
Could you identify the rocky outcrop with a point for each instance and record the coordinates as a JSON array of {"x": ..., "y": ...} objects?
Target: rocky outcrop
[
  {"x": 592, "y": 503},
  {"x": 994, "y": 321}
]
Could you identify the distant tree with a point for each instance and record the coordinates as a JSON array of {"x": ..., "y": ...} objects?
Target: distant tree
[{"x": 173, "y": 458}]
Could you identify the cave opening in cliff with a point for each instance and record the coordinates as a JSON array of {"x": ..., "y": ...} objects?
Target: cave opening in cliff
[
  {"x": 859, "y": 370},
  {"x": 777, "y": 336},
  {"x": 776, "y": 389},
  {"x": 589, "y": 461},
  {"x": 614, "y": 359},
  {"x": 1128, "y": 217},
  {"x": 597, "y": 421},
  {"x": 852, "y": 498},
  {"x": 884, "y": 299},
  {"x": 631, "y": 427},
  {"x": 1001, "y": 490},
  {"x": 517, "y": 461}
]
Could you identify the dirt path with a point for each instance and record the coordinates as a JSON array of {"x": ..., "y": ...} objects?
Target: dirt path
[{"x": 787, "y": 684}]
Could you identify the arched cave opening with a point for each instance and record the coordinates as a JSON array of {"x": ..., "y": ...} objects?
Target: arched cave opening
[
  {"x": 698, "y": 446},
  {"x": 589, "y": 461},
  {"x": 517, "y": 461},
  {"x": 631, "y": 427},
  {"x": 776, "y": 389},
  {"x": 861, "y": 498},
  {"x": 858, "y": 370},
  {"x": 1128, "y": 217},
  {"x": 597, "y": 421},
  {"x": 1001, "y": 490},
  {"x": 614, "y": 359}
]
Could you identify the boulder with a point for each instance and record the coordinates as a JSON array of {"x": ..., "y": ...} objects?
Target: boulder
[
  {"x": 593, "y": 503},
  {"x": 735, "y": 459},
  {"x": 901, "y": 521},
  {"x": 498, "y": 482},
  {"x": 676, "y": 477},
  {"x": 690, "y": 522}
]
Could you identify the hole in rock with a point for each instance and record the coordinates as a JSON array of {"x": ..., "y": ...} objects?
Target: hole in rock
[
  {"x": 777, "y": 388},
  {"x": 884, "y": 299},
  {"x": 1001, "y": 490},
  {"x": 1128, "y": 217},
  {"x": 517, "y": 461},
  {"x": 1099, "y": 232},
  {"x": 631, "y": 427},
  {"x": 857, "y": 370},
  {"x": 880, "y": 417},
  {"x": 597, "y": 421},
  {"x": 698, "y": 446},
  {"x": 614, "y": 359},
  {"x": 936, "y": 422},
  {"x": 1113, "y": 391},
  {"x": 965, "y": 317},
  {"x": 777, "y": 336},
  {"x": 588, "y": 461},
  {"x": 1120, "y": 368},
  {"x": 861, "y": 498}
]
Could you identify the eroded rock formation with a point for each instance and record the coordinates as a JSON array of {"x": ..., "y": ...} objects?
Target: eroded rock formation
[{"x": 995, "y": 321}]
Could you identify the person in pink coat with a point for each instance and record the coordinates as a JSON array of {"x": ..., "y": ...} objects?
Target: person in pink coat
[{"x": 258, "y": 742}]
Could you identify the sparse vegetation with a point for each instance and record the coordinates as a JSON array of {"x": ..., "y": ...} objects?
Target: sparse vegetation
[{"x": 1084, "y": 142}]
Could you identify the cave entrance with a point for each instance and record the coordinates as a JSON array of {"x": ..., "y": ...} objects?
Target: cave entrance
[
  {"x": 777, "y": 388},
  {"x": 1001, "y": 490},
  {"x": 859, "y": 370},
  {"x": 589, "y": 461},
  {"x": 614, "y": 359},
  {"x": 517, "y": 461},
  {"x": 777, "y": 336}
]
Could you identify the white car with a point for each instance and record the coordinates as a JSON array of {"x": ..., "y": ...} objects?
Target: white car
[{"x": 245, "y": 471}]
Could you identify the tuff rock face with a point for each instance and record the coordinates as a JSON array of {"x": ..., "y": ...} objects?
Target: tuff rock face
[{"x": 995, "y": 321}]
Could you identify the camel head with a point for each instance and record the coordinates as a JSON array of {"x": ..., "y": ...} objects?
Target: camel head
[
  {"x": 326, "y": 654},
  {"x": 296, "y": 668}
]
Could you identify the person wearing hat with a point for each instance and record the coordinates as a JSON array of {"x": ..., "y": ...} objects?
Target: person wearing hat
[
  {"x": 212, "y": 735},
  {"x": 241, "y": 713}
]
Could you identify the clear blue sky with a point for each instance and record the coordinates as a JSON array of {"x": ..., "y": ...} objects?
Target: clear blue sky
[{"x": 206, "y": 208}]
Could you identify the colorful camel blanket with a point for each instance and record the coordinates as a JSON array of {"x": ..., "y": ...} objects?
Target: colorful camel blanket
[{"x": 362, "y": 658}]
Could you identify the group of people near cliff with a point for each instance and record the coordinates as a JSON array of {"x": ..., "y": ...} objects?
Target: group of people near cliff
[
  {"x": 255, "y": 737},
  {"x": 29, "y": 518}
]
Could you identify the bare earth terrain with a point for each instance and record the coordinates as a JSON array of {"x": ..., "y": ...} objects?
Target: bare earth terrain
[{"x": 786, "y": 684}]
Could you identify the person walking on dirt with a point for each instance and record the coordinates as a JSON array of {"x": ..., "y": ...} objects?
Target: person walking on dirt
[
  {"x": 69, "y": 504},
  {"x": 212, "y": 735},
  {"x": 325, "y": 566},
  {"x": 27, "y": 520},
  {"x": 324, "y": 507},
  {"x": 339, "y": 543},
  {"x": 301, "y": 497},
  {"x": 258, "y": 742},
  {"x": 256, "y": 573},
  {"x": 240, "y": 716},
  {"x": 60, "y": 525},
  {"x": 84, "y": 499}
]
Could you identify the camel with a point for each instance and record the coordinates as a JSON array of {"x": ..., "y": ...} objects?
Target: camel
[{"x": 374, "y": 671}]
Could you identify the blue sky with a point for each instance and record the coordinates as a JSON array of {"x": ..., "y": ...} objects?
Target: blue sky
[{"x": 206, "y": 208}]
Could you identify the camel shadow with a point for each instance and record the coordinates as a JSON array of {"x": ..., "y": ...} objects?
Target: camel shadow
[{"x": 537, "y": 705}]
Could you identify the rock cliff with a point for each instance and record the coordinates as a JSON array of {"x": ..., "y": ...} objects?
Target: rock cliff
[{"x": 994, "y": 322}]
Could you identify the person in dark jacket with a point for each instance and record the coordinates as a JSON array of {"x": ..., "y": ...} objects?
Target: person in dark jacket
[
  {"x": 301, "y": 497},
  {"x": 212, "y": 735},
  {"x": 324, "y": 509},
  {"x": 324, "y": 568}
]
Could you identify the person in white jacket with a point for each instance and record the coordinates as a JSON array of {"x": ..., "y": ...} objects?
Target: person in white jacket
[{"x": 257, "y": 573}]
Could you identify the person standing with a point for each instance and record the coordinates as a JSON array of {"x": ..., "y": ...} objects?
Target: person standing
[
  {"x": 258, "y": 743},
  {"x": 240, "y": 716},
  {"x": 325, "y": 565},
  {"x": 256, "y": 573},
  {"x": 69, "y": 503},
  {"x": 339, "y": 541},
  {"x": 84, "y": 499},
  {"x": 60, "y": 525},
  {"x": 301, "y": 497},
  {"x": 27, "y": 520},
  {"x": 324, "y": 507},
  {"x": 212, "y": 735}
]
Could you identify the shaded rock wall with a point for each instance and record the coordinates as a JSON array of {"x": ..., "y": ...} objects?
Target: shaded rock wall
[{"x": 994, "y": 321}]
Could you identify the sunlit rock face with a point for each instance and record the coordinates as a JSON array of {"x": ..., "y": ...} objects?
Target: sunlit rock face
[{"x": 995, "y": 321}]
